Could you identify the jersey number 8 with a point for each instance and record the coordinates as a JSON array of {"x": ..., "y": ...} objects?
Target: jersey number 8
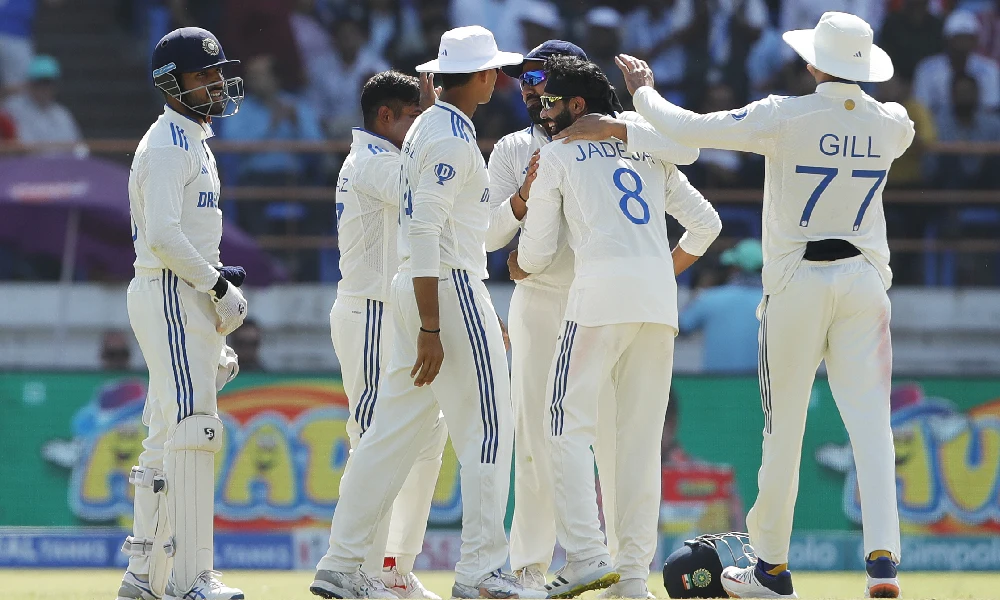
[{"x": 631, "y": 194}]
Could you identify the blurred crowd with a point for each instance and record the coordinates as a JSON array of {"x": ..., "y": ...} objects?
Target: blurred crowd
[{"x": 304, "y": 62}]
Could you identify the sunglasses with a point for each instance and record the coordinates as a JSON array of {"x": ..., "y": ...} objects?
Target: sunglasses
[
  {"x": 549, "y": 101},
  {"x": 532, "y": 77}
]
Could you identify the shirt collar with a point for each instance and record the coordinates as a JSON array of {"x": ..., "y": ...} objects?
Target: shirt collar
[
  {"x": 361, "y": 135},
  {"x": 454, "y": 110},
  {"x": 837, "y": 89},
  {"x": 539, "y": 131},
  {"x": 203, "y": 130}
]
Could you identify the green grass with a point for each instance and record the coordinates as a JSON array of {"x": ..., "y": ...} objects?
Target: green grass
[{"x": 51, "y": 584}]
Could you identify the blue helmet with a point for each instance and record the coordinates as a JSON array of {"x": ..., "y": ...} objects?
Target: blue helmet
[{"x": 190, "y": 50}]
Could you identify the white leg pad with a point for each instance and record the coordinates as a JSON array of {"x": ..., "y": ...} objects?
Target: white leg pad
[
  {"x": 190, "y": 467},
  {"x": 152, "y": 542}
]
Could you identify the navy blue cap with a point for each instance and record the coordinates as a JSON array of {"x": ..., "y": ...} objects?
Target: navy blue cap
[
  {"x": 545, "y": 51},
  {"x": 188, "y": 50}
]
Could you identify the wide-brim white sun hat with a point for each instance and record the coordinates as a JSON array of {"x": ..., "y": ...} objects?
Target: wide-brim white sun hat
[
  {"x": 841, "y": 45},
  {"x": 469, "y": 50}
]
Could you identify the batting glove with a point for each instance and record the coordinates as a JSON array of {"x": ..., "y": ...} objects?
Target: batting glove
[
  {"x": 231, "y": 307},
  {"x": 234, "y": 275}
]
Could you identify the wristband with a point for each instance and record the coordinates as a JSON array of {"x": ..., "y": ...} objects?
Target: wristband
[
  {"x": 220, "y": 288},
  {"x": 438, "y": 330},
  {"x": 523, "y": 199}
]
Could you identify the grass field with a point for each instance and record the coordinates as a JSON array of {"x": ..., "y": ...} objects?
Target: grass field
[{"x": 53, "y": 584}]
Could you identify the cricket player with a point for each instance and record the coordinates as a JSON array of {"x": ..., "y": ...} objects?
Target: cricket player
[
  {"x": 536, "y": 313},
  {"x": 448, "y": 353},
  {"x": 367, "y": 225},
  {"x": 826, "y": 272},
  {"x": 181, "y": 307},
  {"x": 619, "y": 326}
]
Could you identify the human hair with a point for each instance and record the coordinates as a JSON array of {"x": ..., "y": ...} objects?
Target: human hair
[
  {"x": 391, "y": 89},
  {"x": 584, "y": 79},
  {"x": 454, "y": 80}
]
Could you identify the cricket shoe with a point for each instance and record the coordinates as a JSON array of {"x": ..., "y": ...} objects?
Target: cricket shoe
[
  {"x": 628, "y": 588},
  {"x": 358, "y": 584},
  {"x": 531, "y": 577},
  {"x": 496, "y": 585},
  {"x": 581, "y": 576},
  {"x": 882, "y": 579},
  {"x": 406, "y": 586},
  {"x": 751, "y": 582},
  {"x": 133, "y": 588},
  {"x": 206, "y": 587}
]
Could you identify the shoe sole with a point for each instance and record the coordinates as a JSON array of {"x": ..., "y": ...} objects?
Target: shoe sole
[
  {"x": 317, "y": 590},
  {"x": 883, "y": 590},
  {"x": 605, "y": 581}
]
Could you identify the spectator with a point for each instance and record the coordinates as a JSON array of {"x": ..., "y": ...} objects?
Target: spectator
[
  {"x": 604, "y": 42},
  {"x": 804, "y": 14},
  {"x": 35, "y": 112},
  {"x": 254, "y": 27},
  {"x": 966, "y": 121},
  {"x": 115, "y": 351},
  {"x": 907, "y": 170},
  {"x": 540, "y": 21},
  {"x": 652, "y": 31},
  {"x": 268, "y": 113},
  {"x": 337, "y": 77},
  {"x": 497, "y": 15},
  {"x": 392, "y": 20},
  {"x": 8, "y": 131},
  {"x": 311, "y": 37},
  {"x": 989, "y": 39},
  {"x": 933, "y": 75},
  {"x": 17, "y": 18},
  {"x": 245, "y": 341},
  {"x": 910, "y": 35},
  {"x": 718, "y": 168},
  {"x": 728, "y": 313}
]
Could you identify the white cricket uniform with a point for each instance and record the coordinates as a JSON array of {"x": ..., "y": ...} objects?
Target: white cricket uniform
[
  {"x": 367, "y": 226},
  {"x": 176, "y": 229},
  {"x": 622, "y": 308},
  {"x": 536, "y": 312},
  {"x": 444, "y": 214},
  {"x": 826, "y": 159}
]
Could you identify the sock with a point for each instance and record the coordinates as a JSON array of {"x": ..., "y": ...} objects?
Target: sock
[
  {"x": 388, "y": 562},
  {"x": 771, "y": 569},
  {"x": 880, "y": 554}
]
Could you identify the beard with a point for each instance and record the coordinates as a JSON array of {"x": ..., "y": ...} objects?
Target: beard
[
  {"x": 563, "y": 120},
  {"x": 534, "y": 106}
]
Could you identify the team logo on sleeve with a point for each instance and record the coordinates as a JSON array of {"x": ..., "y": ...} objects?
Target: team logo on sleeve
[
  {"x": 739, "y": 115},
  {"x": 444, "y": 172}
]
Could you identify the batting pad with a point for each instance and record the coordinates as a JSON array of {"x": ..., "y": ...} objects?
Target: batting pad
[
  {"x": 152, "y": 539},
  {"x": 190, "y": 468}
]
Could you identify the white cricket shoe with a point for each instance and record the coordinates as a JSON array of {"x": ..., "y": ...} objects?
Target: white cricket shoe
[
  {"x": 531, "y": 577},
  {"x": 336, "y": 584},
  {"x": 496, "y": 585},
  {"x": 406, "y": 586},
  {"x": 749, "y": 583},
  {"x": 581, "y": 576},
  {"x": 628, "y": 588},
  {"x": 134, "y": 588},
  {"x": 206, "y": 587}
]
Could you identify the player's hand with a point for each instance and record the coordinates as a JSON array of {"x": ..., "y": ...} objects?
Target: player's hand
[
  {"x": 503, "y": 330},
  {"x": 516, "y": 272},
  {"x": 430, "y": 355},
  {"x": 428, "y": 93},
  {"x": 231, "y": 309},
  {"x": 637, "y": 72},
  {"x": 591, "y": 127},
  {"x": 529, "y": 175}
]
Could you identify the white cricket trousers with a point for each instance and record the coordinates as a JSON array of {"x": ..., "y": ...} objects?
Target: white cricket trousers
[
  {"x": 534, "y": 323},
  {"x": 473, "y": 391},
  {"x": 175, "y": 327},
  {"x": 836, "y": 311},
  {"x": 363, "y": 345},
  {"x": 637, "y": 358}
]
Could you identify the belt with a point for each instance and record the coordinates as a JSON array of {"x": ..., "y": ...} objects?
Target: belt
[{"x": 827, "y": 250}]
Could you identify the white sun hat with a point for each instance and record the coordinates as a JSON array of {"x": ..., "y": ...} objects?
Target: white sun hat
[
  {"x": 469, "y": 50},
  {"x": 841, "y": 45}
]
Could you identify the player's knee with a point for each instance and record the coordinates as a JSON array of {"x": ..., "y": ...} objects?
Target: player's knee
[{"x": 197, "y": 432}]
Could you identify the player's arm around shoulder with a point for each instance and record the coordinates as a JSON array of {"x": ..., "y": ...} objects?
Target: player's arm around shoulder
[
  {"x": 695, "y": 213},
  {"x": 540, "y": 231},
  {"x": 643, "y": 137}
]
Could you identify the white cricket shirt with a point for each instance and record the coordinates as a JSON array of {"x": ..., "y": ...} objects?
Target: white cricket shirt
[
  {"x": 367, "y": 216},
  {"x": 827, "y": 155},
  {"x": 173, "y": 194},
  {"x": 509, "y": 164},
  {"x": 613, "y": 203},
  {"x": 444, "y": 208}
]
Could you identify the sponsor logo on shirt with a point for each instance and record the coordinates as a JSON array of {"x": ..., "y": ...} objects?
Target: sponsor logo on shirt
[{"x": 444, "y": 172}]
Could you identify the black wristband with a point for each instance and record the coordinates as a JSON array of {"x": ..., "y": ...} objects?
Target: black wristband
[
  {"x": 523, "y": 199},
  {"x": 221, "y": 287},
  {"x": 438, "y": 330}
]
